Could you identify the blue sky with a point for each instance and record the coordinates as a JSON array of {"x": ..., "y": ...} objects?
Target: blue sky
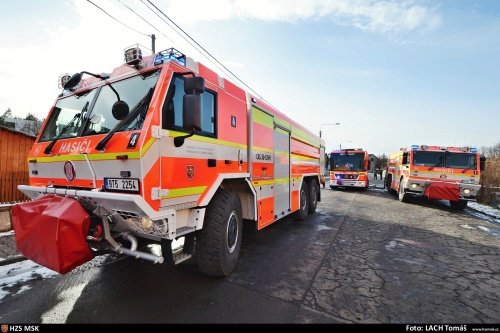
[{"x": 393, "y": 73}]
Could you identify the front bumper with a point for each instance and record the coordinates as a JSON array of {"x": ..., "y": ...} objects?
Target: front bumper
[
  {"x": 348, "y": 183},
  {"x": 417, "y": 187},
  {"x": 124, "y": 209}
]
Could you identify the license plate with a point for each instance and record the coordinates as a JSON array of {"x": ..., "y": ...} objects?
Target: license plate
[{"x": 121, "y": 184}]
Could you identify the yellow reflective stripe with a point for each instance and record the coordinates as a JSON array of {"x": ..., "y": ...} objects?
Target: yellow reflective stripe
[
  {"x": 148, "y": 145},
  {"x": 80, "y": 157},
  {"x": 205, "y": 139},
  {"x": 282, "y": 153},
  {"x": 263, "y": 182},
  {"x": 305, "y": 158},
  {"x": 266, "y": 150},
  {"x": 282, "y": 122},
  {"x": 262, "y": 118},
  {"x": 182, "y": 192},
  {"x": 303, "y": 136},
  {"x": 281, "y": 180},
  {"x": 272, "y": 181}
]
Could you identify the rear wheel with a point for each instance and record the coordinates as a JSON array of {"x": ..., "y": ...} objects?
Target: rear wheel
[
  {"x": 218, "y": 243},
  {"x": 402, "y": 196},
  {"x": 313, "y": 195},
  {"x": 460, "y": 204},
  {"x": 334, "y": 187},
  {"x": 303, "y": 211}
]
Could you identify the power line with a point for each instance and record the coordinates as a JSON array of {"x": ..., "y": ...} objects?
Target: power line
[
  {"x": 114, "y": 18},
  {"x": 183, "y": 37},
  {"x": 194, "y": 41},
  {"x": 150, "y": 24}
]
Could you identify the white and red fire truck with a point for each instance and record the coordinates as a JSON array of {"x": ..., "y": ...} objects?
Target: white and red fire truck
[
  {"x": 349, "y": 168},
  {"x": 159, "y": 149},
  {"x": 441, "y": 173}
]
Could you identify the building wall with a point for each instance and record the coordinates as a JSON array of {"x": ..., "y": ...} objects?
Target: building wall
[{"x": 14, "y": 148}]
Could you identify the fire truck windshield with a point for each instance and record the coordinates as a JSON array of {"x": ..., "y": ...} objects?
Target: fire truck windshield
[
  {"x": 460, "y": 160},
  {"x": 132, "y": 90},
  {"x": 65, "y": 111},
  {"x": 347, "y": 161},
  {"x": 444, "y": 159}
]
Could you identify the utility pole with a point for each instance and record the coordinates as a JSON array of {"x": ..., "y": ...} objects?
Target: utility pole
[{"x": 153, "y": 39}]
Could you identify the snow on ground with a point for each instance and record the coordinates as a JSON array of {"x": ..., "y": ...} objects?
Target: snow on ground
[
  {"x": 485, "y": 209},
  {"x": 14, "y": 277},
  {"x": 8, "y": 233}
]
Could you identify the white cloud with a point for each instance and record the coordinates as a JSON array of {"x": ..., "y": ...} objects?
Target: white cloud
[{"x": 388, "y": 16}]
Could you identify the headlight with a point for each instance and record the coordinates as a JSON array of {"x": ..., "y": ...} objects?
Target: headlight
[
  {"x": 466, "y": 191},
  {"x": 414, "y": 186}
]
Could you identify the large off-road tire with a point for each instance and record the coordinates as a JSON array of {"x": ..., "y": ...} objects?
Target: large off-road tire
[
  {"x": 459, "y": 205},
  {"x": 218, "y": 243},
  {"x": 313, "y": 195},
  {"x": 303, "y": 211},
  {"x": 402, "y": 196}
]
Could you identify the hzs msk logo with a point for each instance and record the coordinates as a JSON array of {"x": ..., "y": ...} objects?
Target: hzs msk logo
[
  {"x": 5, "y": 328},
  {"x": 190, "y": 171}
]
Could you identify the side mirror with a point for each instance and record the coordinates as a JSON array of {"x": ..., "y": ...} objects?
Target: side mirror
[
  {"x": 482, "y": 163},
  {"x": 120, "y": 110},
  {"x": 192, "y": 102},
  {"x": 73, "y": 81},
  {"x": 405, "y": 158},
  {"x": 192, "y": 112},
  {"x": 369, "y": 165}
]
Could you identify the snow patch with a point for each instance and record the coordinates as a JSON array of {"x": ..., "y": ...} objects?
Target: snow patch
[
  {"x": 8, "y": 233},
  {"x": 466, "y": 226},
  {"x": 391, "y": 245},
  {"x": 484, "y": 228},
  {"x": 322, "y": 227},
  {"x": 484, "y": 209},
  {"x": 13, "y": 277}
]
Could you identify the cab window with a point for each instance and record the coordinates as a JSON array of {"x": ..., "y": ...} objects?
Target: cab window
[{"x": 172, "y": 109}]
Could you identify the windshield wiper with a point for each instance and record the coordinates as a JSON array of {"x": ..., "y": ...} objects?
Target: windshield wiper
[
  {"x": 138, "y": 108},
  {"x": 71, "y": 124}
]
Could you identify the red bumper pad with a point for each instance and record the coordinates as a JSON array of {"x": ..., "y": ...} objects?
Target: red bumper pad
[
  {"x": 443, "y": 191},
  {"x": 51, "y": 231}
]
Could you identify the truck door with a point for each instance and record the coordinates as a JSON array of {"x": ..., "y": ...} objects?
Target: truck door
[{"x": 281, "y": 171}]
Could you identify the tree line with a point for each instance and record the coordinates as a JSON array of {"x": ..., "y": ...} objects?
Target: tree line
[{"x": 30, "y": 124}]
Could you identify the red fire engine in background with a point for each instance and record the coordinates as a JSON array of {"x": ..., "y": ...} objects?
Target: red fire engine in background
[
  {"x": 349, "y": 168},
  {"x": 159, "y": 149},
  {"x": 443, "y": 173}
]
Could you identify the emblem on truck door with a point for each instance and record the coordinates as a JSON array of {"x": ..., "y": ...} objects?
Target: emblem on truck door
[
  {"x": 69, "y": 171},
  {"x": 190, "y": 171}
]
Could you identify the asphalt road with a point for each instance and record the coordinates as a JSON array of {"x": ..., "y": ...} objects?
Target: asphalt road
[{"x": 363, "y": 257}]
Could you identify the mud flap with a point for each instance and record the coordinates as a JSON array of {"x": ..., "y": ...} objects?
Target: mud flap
[
  {"x": 51, "y": 231},
  {"x": 443, "y": 191}
]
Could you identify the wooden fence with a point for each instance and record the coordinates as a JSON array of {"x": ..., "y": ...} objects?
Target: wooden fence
[{"x": 14, "y": 148}]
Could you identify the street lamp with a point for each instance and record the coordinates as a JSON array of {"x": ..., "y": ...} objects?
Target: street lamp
[{"x": 321, "y": 126}]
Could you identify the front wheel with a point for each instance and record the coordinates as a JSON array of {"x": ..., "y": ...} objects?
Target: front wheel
[
  {"x": 402, "y": 196},
  {"x": 459, "y": 205},
  {"x": 218, "y": 243}
]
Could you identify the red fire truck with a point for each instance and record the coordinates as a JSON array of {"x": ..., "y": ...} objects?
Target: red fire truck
[
  {"x": 349, "y": 168},
  {"x": 442, "y": 173},
  {"x": 161, "y": 148}
]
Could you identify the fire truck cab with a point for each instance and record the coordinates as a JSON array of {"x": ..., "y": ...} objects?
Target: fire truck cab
[
  {"x": 161, "y": 148},
  {"x": 442, "y": 173},
  {"x": 349, "y": 168}
]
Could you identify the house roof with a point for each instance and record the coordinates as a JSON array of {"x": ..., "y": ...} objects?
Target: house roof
[{"x": 17, "y": 132}]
